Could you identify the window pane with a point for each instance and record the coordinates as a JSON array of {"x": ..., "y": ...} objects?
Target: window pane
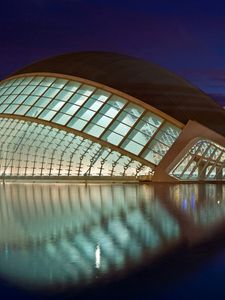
[
  {"x": 152, "y": 119},
  {"x": 64, "y": 95},
  {"x": 61, "y": 118},
  {"x": 85, "y": 114},
  {"x": 152, "y": 156},
  {"x": 132, "y": 147},
  {"x": 47, "y": 114},
  {"x": 28, "y": 90},
  {"x": 77, "y": 99},
  {"x": 112, "y": 138},
  {"x": 70, "y": 109},
  {"x": 139, "y": 137},
  {"x": 93, "y": 104},
  {"x": 55, "y": 105},
  {"x": 119, "y": 128},
  {"x": 101, "y": 95},
  {"x": 72, "y": 86},
  {"x": 101, "y": 120},
  {"x": 34, "y": 111},
  {"x": 94, "y": 130},
  {"x": 39, "y": 90},
  {"x": 22, "y": 110},
  {"x": 51, "y": 92},
  {"x": 59, "y": 83},
  {"x": 77, "y": 123},
  {"x": 11, "y": 109},
  {"x": 145, "y": 128},
  {"x": 31, "y": 100},
  {"x": 43, "y": 102},
  {"x": 86, "y": 90}
]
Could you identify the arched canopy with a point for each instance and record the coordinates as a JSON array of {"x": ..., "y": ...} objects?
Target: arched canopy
[{"x": 140, "y": 79}]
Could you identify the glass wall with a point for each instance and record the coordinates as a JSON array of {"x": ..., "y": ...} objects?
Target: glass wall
[
  {"x": 31, "y": 149},
  {"x": 92, "y": 110},
  {"x": 205, "y": 160}
]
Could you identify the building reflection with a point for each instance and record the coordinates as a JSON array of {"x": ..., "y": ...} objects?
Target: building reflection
[
  {"x": 204, "y": 204},
  {"x": 70, "y": 234}
]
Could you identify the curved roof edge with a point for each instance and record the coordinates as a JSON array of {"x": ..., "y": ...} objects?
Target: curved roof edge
[{"x": 142, "y": 80}]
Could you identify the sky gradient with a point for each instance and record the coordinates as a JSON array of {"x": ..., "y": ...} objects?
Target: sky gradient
[{"x": 186, "y": 37}]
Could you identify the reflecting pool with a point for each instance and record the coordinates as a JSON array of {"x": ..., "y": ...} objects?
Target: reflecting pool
[{"x": 61, "y": 235}]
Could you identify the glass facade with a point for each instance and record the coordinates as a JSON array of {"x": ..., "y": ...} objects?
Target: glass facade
[
  {"x": 91, "y": 110},
  {"x": 205, "y": 160},
  {"x": 31, "y": 149}
]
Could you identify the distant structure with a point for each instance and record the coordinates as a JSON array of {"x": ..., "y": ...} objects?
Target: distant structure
[{"x": 105, "y": 115}]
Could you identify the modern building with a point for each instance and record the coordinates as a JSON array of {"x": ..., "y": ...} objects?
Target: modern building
[{"x": 92, "y": 114}]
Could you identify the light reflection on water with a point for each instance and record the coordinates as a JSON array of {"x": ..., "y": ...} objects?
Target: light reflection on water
[
  {"x": 204, "y": 203},
  {"x": 63, "y": 234}
]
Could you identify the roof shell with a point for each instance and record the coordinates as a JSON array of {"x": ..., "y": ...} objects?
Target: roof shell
[{"x": 140, "y": 79}]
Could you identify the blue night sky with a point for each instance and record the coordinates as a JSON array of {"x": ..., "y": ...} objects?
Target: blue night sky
[{"x": 187, "y": 37}]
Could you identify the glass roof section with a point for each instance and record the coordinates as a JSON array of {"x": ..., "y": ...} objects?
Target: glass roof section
[
  {"x": 205, "y": 160},
  {"x": 31, "y": 149},
  {"x": 92, "y": 110}
]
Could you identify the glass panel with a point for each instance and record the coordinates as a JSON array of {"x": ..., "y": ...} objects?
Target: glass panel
[
  {"x": 72, "y": 86},
  {"x": 138, "y": 137},
  {"x": 101, "y": 120},
  {"x": 117, "y": 102},
  {"x": 47, "y": 81},
  {"x": 94, "y": 130},
  {"x": 31, "y": 100},
  {"x": 36, "y": 80},
  {"x": 109, "y": 111},
  {"x": 34, "y": 112},
  {"x": 11, "y": 109},
  {"x": 112, "y": 138},
  {"x": 171, "y": 129},
  {"x": 28, "y": 90},
  {"x": 93, "y": 104},
  {"x": 59, "y": 83},
  {"x": 27, "y": 80},
  {"x": 86, "y": 90},
  {"x": 61, "y": 118},
  {"x": 132, "y": 147},
  {"x": 3, "y": 107},
  {"x": 8, "y": 99},
  {"x": 70, "y": 109},
  {"x": 119, "y": 128},
  {"x": 85, "y": 114},
  {"x": 146, "y": 129},
  {"x": 134, "y": 110},
  {"x": 22, "y": 110},
  {"x": 18, "y": 90},
  {"x": 39, "y": 90},
  {"x": 158, "y": 147},
  {"x": 64, "y": 95},
  {"x": 78, "y": 99},
  {"x": 152, "y": 156},
  {"x": 77, "y": 123},
  {"x": 51, "y": 92},
  {"x": 152, "y": 119},
  {"x": 8, "y": 91},
  {"x": 55, "y": 105},
  {"x": 43, "y": 102},
  {"x": 101, "y": 95},
  {"x": 165, "y": 138},
  {"x": 47, "y": 114}
]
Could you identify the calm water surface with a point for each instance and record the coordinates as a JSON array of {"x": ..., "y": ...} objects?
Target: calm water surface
[{"x": 66, "y": 235}]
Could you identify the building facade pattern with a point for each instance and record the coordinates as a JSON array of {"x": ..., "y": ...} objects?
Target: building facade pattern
[
  {"x": 205, "y": 160},
  {"x": 31, "y": 149},
  {"x": 90, "y": 110}
]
